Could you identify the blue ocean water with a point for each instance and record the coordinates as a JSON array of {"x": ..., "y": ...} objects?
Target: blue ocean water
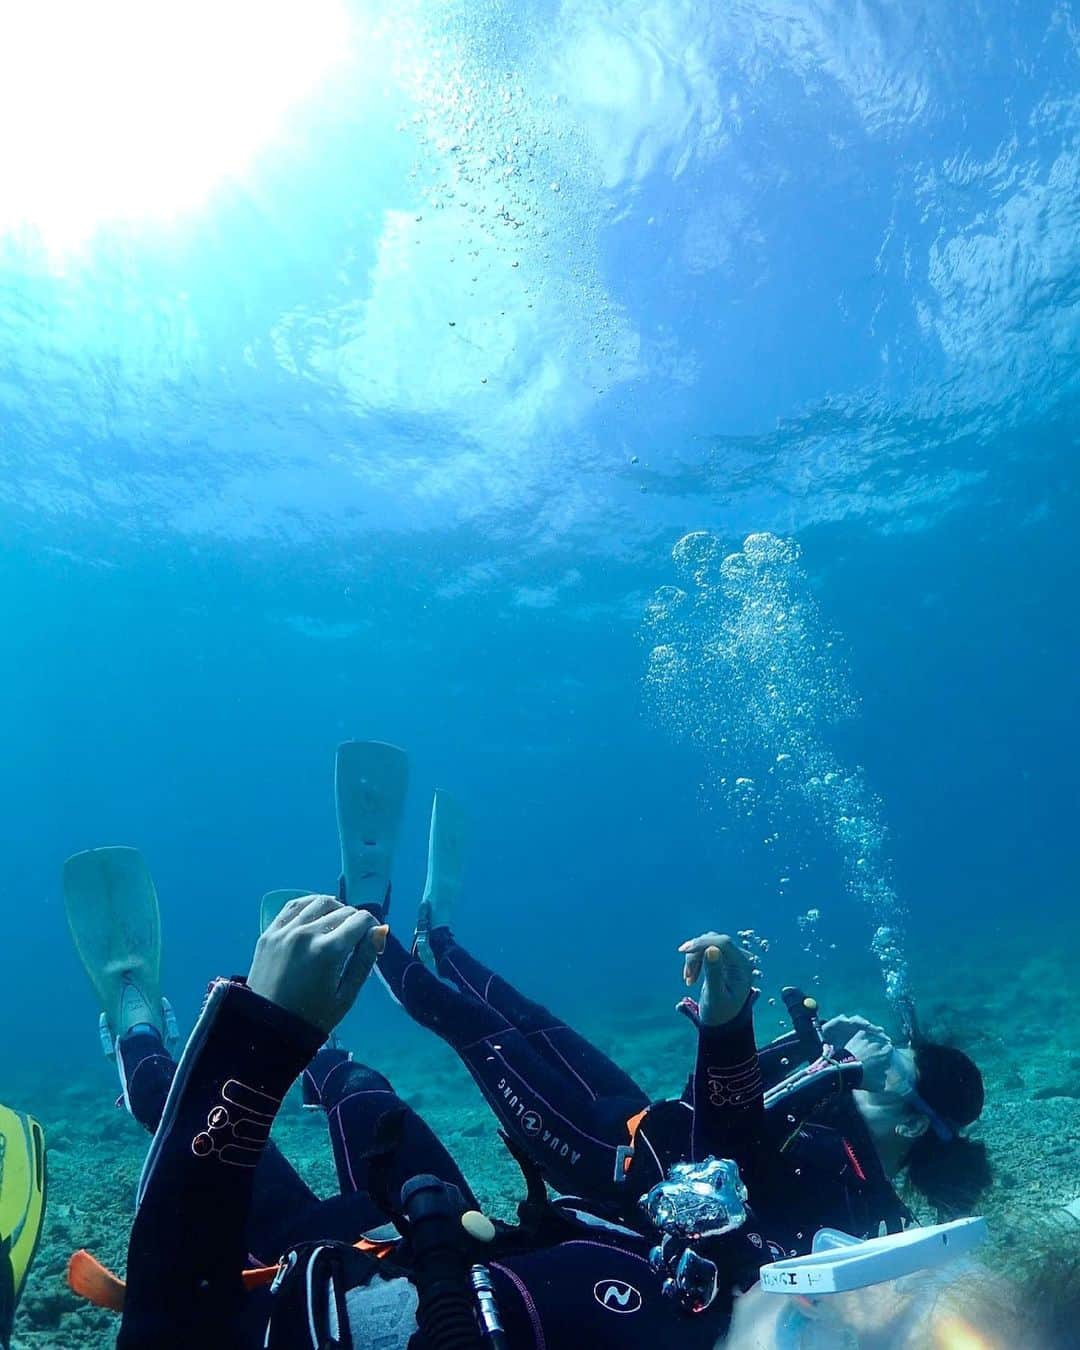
[{"x": 390, "y": 431}]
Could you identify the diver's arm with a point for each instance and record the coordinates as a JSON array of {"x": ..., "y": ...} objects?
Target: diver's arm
[
  {"x": 186, "y": 1252},
  {"x": 726, "y": 1089}
]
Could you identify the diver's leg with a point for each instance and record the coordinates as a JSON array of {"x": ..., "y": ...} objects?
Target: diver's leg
[
  {"x": 452, "y": 1013},
  {"x": 563, "y": 1047},
  {"x": 146, "y": 1072},
  {"x": 379, "y": 1142},
  {"x": 573, "y": 1137}
]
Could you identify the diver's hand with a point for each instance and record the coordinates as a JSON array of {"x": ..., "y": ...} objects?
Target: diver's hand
[
  {"x": 314, "y": 958},
  {"x": 873, "y": 1049},
  {"x": 839, "y": 1030},
  {"x": 728, "y": 976}
]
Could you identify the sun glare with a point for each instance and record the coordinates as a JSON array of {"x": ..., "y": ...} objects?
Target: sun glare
[
  {"x": 127, "y": 110},
  {"x": 954, "y": 1333}
]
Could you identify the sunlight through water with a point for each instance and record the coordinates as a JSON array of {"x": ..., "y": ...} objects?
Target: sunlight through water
[{"x": 128, "y": 110}]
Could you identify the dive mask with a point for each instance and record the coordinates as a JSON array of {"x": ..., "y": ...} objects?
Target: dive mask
[{"x": 900, "y": 1081}]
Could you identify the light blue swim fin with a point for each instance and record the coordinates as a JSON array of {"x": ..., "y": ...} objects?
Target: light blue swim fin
[{"x": 370, "y": 782}]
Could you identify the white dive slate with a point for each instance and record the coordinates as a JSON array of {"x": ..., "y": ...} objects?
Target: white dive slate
[{"x": 845, "y": 1263}]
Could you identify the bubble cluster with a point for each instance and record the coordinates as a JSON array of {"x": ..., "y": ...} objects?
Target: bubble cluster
[
  {"x": 742, "y": 664},
  {"x": 757, "y": 945},
  {"x": 811, "y": 938}
]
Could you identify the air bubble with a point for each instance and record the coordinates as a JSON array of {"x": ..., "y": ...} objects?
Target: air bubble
[
  {"x": 759, "y": 682},
  {"x": 695, "y": 555}
]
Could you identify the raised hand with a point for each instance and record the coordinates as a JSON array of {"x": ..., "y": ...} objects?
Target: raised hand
[
  {"x": 874, "y": 1051},
  {"x": 314, "y": 958},
  {"x": 839, "y": 1030},
  {"x": 728, "y": 976}
]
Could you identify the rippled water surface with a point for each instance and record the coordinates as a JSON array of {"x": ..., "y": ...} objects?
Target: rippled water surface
[{"x": 362, "y": 381}]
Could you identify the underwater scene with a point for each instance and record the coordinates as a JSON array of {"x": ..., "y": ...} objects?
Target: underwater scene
[{"x": 540, "y": 627}]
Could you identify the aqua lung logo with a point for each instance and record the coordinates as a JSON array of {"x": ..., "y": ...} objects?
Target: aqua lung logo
[
  {"x": 617, "y": 1296},
  {"x": 532, "y": 1124}
]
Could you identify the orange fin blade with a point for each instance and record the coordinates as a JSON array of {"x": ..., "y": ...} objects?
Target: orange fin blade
[{"x": 91, "y": 1280}]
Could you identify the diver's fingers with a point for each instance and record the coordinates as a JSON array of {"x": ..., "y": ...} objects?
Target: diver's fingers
[
  {"x": 718, "y": 956},
  {"x": 692, "y": 967},
  {"x": 699, "y": 944},
  {"x": 344, "y": 931},
  {"x": 316, "y": 911},
  {"x": 292, "y": 912},
  {"x": 694, "y": 952},
  {"x": 712, "y": 947},
  {"x": 334, "y": 918},
  {"x": 727, "y": 964}
]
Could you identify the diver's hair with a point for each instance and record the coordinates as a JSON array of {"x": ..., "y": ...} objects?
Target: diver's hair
[
  {"x": 949, "y": 1081},
  {"x": 951, "y": 1173}
]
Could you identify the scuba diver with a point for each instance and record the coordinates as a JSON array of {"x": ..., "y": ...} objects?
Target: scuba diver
[
  {"x": 861, "y": 1113},
  {"x": 22, "y": 1208},
  {"x": 671, "y": 1275},
  {"x": 216, "y": 1195}
]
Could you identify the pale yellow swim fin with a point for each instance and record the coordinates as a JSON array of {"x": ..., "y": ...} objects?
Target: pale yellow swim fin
[{"x": 112, "y": 911}]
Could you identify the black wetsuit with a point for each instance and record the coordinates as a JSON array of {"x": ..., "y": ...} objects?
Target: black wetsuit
[
  {"x": 594, "y": 1133},
  {"x": 213, "y": 1182}
]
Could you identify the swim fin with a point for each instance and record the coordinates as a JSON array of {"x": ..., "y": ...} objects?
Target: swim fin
[
  {"x": 273, "y": 902},
  {"x": 370, "y": 781},
  {"x": 22, "y": 1207},
  {"x": 112, "y": 911},
  {"x": 446, "y": 867}
]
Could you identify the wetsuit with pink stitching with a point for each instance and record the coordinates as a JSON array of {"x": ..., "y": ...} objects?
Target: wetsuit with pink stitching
[
  {"x": 571, "y": 1109},
  {"x": 596, "y": 1286},
  {"x": 575, "y": 1113}
]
